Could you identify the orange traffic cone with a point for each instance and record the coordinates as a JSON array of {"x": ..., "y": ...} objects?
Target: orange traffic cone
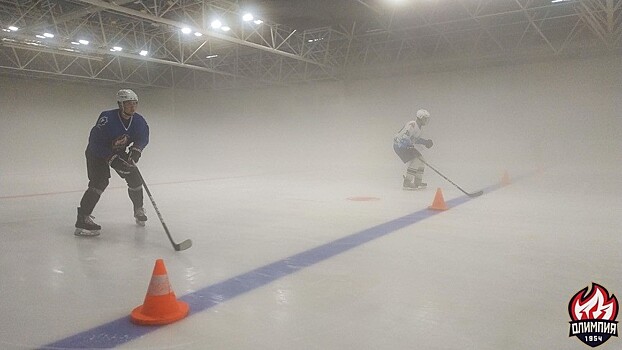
[
  {"x": 439, "y": 201},
  {"x": 505, "y": 180},
  {"x": 160, "y": 305}
]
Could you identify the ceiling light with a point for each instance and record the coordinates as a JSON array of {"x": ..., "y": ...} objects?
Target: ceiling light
[
  {"x": 225, "y": 28},
  {"x": 83, "y": 42},
  {"x": 216, "y": 24},
  {"x": 48, "y": 35},
  {"x": 198, "y": 34},
  {"x": 258, "y": 21},
  {"x": 211, "y": 56},
  {"x": 40, "y": 36},
  {"x": 247, "y": 17},
  {"x": 143, "y": 53},
  {"x": 186, "y": 30},
  {"x": 117, "y": 48},
  {"x": 75, "y": 43},
  {"x": 13, "y": 28}
]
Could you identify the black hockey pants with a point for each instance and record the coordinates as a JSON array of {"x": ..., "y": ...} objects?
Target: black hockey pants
[{"x": 98, "y": 172}]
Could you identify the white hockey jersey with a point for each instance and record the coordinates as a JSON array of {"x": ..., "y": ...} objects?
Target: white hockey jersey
[{"x": 408, "y": 136}]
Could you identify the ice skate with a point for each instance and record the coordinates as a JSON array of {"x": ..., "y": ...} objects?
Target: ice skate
[
  {"x": 413, "y": 185},
  {"x": 408, "y": 185},
  {"x": 85, "y": 226},
  {"x": 420, "y": 185},
  {"x": 139, "y": 215}
]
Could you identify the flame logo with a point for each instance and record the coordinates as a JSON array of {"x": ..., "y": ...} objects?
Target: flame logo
[
  {"x": 120, "y": 143},
  {"x": 598, "y": 305}
]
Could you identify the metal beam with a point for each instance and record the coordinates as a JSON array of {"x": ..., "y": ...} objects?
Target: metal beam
[
  {"x": 85, "y": 51},
  {"x": 212, "y": 34},
  {"x": 531, "y": 21},
  {"x": 73, "y": 15}
]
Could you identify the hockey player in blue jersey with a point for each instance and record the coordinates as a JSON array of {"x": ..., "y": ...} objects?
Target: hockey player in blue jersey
[
  {"x": 407, "y": 144},
  {"x": 116, "y": 141}
]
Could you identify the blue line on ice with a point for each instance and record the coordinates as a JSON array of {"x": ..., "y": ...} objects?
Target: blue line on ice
[{"x": 120, "y": 331}]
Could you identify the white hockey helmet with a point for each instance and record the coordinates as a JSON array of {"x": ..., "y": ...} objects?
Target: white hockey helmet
[
  {"x": 126, "y": 95},
  {"x": 422, "y": 113},
  {"x": 423, "y": 116}
]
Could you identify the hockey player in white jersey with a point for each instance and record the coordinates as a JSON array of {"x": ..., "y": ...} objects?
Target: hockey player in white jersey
[{"x": 408, "y": 144}]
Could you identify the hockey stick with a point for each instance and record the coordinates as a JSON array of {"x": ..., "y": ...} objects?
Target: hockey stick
[
  {"x": 474, "y": 194},
  {"x": 177, "y": 246}
]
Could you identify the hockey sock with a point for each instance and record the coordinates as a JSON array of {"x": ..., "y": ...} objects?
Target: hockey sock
[
  {"x": 419, "y": 176},
  {"x": 136, "y": 195},
  {"x": 89, "y": 200}
]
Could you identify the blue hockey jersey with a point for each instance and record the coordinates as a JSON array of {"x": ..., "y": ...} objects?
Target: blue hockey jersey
[{"x": 110, "y": 135}]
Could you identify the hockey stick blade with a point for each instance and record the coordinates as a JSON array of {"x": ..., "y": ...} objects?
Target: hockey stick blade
[
  {"x": 471, "y": 195},
  {"x": 183, "y": 245},
  {"x": 475, "y": 194},
  {"x": 177, "y": 246}
]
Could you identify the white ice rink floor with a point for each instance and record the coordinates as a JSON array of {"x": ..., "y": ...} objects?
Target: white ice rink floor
[{"x": 287, "y": 261}]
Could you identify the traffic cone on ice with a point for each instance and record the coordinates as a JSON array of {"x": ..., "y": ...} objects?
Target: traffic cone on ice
[
  {"x": 439, "y": 201},
  {"x": 505, "y": 180},
  {"x": 160, "y": 305}
]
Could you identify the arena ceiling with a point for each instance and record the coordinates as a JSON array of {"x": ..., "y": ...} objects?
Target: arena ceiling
[{"x": 297, "y": 40}]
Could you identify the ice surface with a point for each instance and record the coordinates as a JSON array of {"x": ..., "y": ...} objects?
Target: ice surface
[{"x": 257, "y": 177}]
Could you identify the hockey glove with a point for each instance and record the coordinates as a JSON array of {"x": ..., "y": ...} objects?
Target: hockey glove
[
  {"x": 428, "y": 143},
  {"x": 120, "y": 165},
  {"x": 135, "y": 154}
]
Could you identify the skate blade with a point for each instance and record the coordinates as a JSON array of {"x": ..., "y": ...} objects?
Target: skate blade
[
  {"x": 140, "y": 223},
  {"x": 413, "y": 189},
  {"x": 85, "y": 233}
]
